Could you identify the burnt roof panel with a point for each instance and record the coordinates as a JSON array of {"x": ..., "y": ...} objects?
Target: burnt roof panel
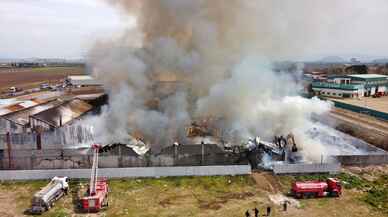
[{"x": 67, "y": 111}]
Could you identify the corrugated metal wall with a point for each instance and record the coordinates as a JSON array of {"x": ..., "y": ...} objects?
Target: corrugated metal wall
[{"x": 61, "y": 137}]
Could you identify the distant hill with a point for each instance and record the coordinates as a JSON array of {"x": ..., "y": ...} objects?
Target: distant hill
[
  {"x": 384, "y": 60},
  {"x": 332, "y": 59}
]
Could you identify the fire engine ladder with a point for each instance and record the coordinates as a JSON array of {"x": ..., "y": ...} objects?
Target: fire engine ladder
[{"x": 93, "y": 178}]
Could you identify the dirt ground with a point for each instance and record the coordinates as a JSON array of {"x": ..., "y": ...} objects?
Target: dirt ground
[
  {"x": 27, "y": 78},
  {"x": 226, "y": 196},
  {"x": 379, "y": 104}
]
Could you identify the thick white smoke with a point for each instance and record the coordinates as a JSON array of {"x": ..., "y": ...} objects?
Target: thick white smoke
[{"x": 200, "y": 58}]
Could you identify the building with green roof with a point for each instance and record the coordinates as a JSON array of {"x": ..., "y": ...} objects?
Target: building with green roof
[{"x": 352, "y": 86}]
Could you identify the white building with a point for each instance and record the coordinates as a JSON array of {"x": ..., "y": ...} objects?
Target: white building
[
  {"x": 338, "y": 90},
  {"x": 352, "y": 86},
  {"x": 82, "y": 80}
]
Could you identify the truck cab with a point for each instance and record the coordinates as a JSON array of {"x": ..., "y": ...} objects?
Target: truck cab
[{"x": 334, "y": 187}]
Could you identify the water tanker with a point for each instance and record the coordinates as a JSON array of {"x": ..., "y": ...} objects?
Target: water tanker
[
  {"x": 44, "y": 199},
  {"x": 330, "y": 187}
]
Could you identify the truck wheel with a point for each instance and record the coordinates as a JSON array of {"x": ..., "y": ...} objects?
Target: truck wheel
[{"x": 334, "y": 194}]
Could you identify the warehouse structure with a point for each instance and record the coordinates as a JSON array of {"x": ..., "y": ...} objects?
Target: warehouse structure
[
  {"x": 41, "y": 116},
  {"x": 352, "y": 86},
  {"x": 60, "y": 115},
  {"x": 18, "y": 122},
  {"x": 82, "y": 81}
]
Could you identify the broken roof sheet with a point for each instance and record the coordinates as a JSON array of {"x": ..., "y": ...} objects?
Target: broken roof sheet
[
  {"x": 22, "y": 117},
  {"x": 19, "y": 105},
  {"x": 8, "y": 106},
  {"x": 66, "y": 112}
]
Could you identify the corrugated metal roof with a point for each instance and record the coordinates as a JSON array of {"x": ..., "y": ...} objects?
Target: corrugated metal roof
[
  {"x": 22, "y": 117},
  {"x": 67, "y": 111},
  {"x": 20, "y": 103},
  {"x": 17, "y": 107}
]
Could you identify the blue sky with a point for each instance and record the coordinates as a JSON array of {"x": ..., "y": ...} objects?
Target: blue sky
[{"x": 54, "y": 28}]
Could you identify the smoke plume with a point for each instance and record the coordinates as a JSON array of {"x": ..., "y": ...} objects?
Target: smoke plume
[{"x": 195, "y": 58}]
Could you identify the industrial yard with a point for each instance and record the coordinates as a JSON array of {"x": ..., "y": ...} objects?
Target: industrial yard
[
  {"x": 50, "y": 130},
  {"x": 193, "y": 108}
]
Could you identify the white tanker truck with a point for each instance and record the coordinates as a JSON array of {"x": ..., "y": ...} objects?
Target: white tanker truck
[{"x": 45, "y": 198}]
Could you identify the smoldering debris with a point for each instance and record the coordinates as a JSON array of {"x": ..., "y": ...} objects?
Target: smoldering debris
[{"x": 215, "y": 57}]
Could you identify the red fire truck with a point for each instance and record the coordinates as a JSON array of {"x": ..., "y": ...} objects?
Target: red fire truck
[
  {"x": 309, "y": 189},
  {"x": 97, "y": 195}
]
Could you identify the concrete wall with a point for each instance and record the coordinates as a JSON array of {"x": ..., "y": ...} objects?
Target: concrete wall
[
  {"x": 27, "y": 159},
  {"x": 153, "y": 172},
  {"x": 331, "y": 168},
  {"x": 362, "y": 160}
]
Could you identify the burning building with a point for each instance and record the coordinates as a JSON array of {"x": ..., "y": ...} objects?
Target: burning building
[{"x": 186, "y": 61}]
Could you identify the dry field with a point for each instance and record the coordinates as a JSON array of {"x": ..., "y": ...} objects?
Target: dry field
[
  {"x": 224, "y": 196},
  {"x": 31, "y": 77}
]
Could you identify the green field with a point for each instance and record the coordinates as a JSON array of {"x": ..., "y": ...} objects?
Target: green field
[{"x": 205, "y": 196}]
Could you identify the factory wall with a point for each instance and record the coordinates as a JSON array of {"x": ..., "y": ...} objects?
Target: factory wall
[
  {"x": 61, "y": 137},
  {"x": 339, "y": 93},
  {"x": 151, "y": 172},
  {"x": 331, "y": 168},
  {"x": 56, "y": 158},
  {"x": 362, "y": 160},
  {"x": 9, "y": 126}
]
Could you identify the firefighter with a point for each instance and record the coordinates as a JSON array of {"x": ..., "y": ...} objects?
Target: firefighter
[
  {"x": 268, "y": 210},
  {"x": 247, "y": 214},
  {"x": 285, "y": 205},
  {"x": 277, "y": 141},
  {"x": 257, "y": 213}
]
